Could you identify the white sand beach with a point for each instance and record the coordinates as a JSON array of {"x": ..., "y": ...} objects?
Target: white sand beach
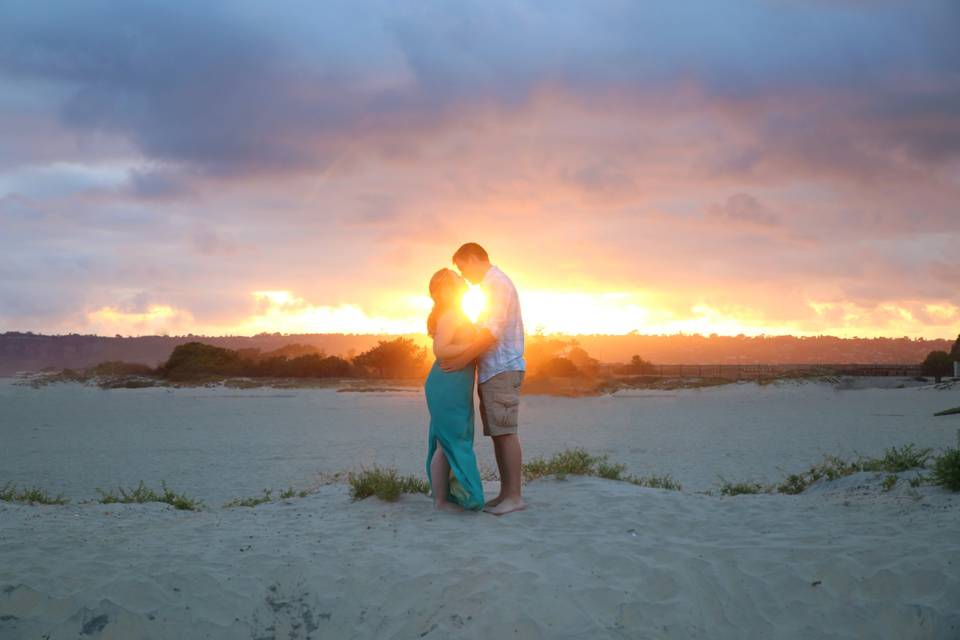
[{"x": 590, "y": 558}]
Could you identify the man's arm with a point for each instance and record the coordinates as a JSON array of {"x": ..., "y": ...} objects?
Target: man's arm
[{"x": 483, "y": 341}]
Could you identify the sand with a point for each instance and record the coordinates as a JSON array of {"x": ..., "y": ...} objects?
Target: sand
[{"x": 590, "y": 558}]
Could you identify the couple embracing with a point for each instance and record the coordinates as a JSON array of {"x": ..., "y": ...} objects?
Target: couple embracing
[{"x": 493, "y": 350}]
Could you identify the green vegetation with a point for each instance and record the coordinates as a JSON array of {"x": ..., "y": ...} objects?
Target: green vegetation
[
  {"x": 578, "y": 462},
  {"x": 32, "y": 495},
  {"x": 399, "y": 358},
  {"x": 195, "y": 360},
  {"x": 948, "y": 412},
  {"x": 144, "y": 494},
  {"x": 895, "y": 460},
  {"x": 889, "y": 482},
  {"x": 250, "y": 502},
  {"x": 728, "y": 488},
  {"x": 946, "y": 470},
  {"x": 386, "y": 484},
  {"x": 655, "y": 482},
  {"x": 938, "y": 364}
]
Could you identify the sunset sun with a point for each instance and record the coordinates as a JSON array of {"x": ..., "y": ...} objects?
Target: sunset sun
[{"x": 473, "y": 303}]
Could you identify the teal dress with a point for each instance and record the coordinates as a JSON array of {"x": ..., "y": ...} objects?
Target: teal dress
[{"x": 450, "y": 401}]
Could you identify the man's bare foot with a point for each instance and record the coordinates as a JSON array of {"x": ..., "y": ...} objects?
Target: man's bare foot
[
  {"x": 449, "y": 507},
  {"x": 507, "y": 505},
  {"x": 493, "y": 503}
]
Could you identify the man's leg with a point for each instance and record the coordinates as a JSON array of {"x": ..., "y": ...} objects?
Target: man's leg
[{"x": 510, "y": 462}]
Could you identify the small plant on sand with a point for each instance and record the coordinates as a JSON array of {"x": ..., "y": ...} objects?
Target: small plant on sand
[
  {"x": 655, "y": 482},
  {"x": 889, "y": 482},
  {"x": 610, "y": 471},
  {"x": 144, "y": 494},
  {"x": 251, "y": 501},
  {"x": 575, "y": 462},
  {"x": 33, "y": 495},
  {"x": 946, "y": 469},
  {"x": 895, "y": 460},
  {"x": 948, "y": 412},
  {"x": 794, "y": 483},
  {"x": 728, "y": 488},
  {"x": 139, "y": 495},
  {"x": 386, "y": 484},
  {"x": 287, "y": 493}
]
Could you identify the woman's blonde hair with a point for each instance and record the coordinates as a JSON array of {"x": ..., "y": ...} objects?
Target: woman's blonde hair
[{"x": 439, "y": 280}]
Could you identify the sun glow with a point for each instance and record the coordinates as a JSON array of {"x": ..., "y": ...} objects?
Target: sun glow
[{"x": 473, "y": 303}]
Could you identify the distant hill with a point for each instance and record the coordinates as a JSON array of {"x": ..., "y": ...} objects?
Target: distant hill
[{"x": 33, "y": 352}]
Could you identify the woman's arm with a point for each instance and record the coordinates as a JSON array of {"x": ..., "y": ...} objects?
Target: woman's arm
[
  {"x": 443, "y": 345},
  {"x": 483, "y": 341}
]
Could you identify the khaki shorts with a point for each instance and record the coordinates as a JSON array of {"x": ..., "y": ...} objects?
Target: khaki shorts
[{"x": 500, "y": 403}]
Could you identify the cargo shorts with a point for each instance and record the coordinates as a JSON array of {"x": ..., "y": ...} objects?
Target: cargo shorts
[{"x": 500, "y": 403}]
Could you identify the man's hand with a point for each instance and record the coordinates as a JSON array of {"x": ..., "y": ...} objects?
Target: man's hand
[{"x": 455, "y": 364}]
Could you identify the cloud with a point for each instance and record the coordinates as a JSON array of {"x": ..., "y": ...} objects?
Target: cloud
[
  {"x": 744, "y": 208},
  {"x": 712, "y": 157}
]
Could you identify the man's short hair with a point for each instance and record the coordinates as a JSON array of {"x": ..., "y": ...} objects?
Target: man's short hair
[{"x": 471, "y": 250}]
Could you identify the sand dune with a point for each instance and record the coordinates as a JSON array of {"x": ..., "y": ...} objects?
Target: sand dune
[{"x": 590, "y": 558}]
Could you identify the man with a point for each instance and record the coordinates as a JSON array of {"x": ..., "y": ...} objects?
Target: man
[{"x": 500, "y": 370}]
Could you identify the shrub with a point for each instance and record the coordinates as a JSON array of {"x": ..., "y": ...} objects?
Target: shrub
[
  {"x": 938, "y": 364},
  {"x": 559, "y": 367},
  {"x": 197, "y": 360},
  {"x": 399, "y": 358}
]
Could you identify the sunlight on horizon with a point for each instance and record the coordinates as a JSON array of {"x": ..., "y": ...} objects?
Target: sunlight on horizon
[{"x": 546, "y": 312}]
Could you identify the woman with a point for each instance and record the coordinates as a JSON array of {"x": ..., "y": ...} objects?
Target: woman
[{"x": 451, "y": 464}]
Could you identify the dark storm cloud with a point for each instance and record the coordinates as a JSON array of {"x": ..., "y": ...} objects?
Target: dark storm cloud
[{"x": 239, "y": 88}]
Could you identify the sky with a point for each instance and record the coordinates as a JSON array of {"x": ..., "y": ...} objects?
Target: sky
[{"x": 234, "y": 167}]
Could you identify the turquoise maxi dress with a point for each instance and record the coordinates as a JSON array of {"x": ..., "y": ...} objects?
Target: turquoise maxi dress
[{"x": 450, "y": 401}]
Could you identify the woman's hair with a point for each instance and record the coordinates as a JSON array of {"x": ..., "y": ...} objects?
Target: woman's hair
[{"x": 439, "y": 280}]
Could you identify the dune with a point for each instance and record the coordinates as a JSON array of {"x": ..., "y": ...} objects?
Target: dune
[{"x": 590, "y": 558}]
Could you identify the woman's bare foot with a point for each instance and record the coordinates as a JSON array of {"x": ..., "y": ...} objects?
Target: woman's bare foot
[
  {"x": 507, "y": 505},
  {"x": 449, "y": 507}
]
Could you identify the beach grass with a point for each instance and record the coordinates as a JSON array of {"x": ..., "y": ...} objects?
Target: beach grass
[
  {"x": 946, "y": 470},
  {"x": 728, "y": 488},
  {"x": 142, "y": 494},
  {"x": 896, "y": 459},
  {"x": 948, "y": 412},
  {"x": 251, "y": 501},
  {"x": 30, "y": 495},
  {"x": 578, "y": 462},
  {"x": 654, "y": 482},
  {"x": 384, "y": 483}
]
